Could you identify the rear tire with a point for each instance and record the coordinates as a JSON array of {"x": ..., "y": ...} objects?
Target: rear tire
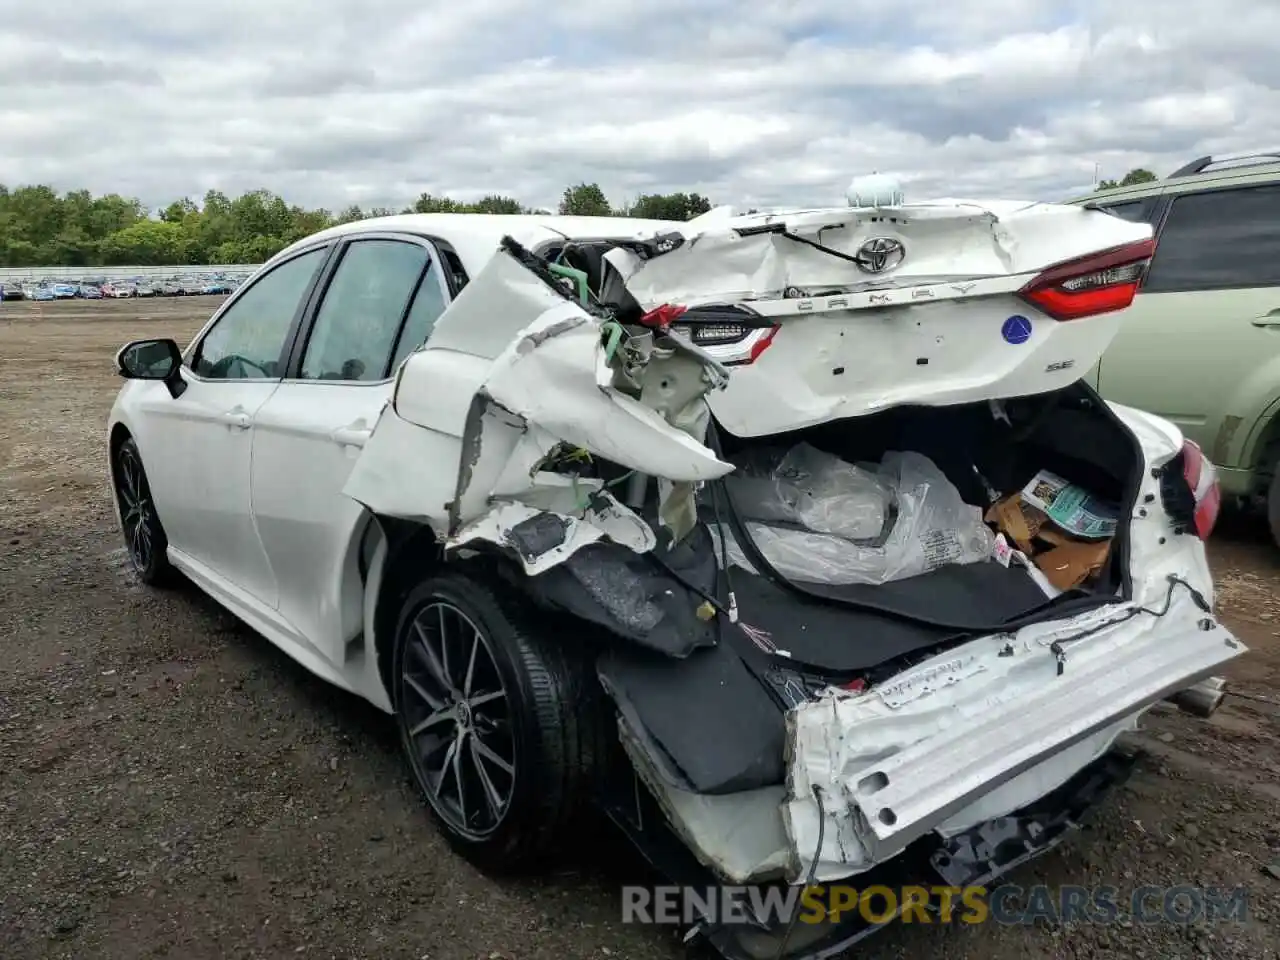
[{"x": 502, "y": 724}]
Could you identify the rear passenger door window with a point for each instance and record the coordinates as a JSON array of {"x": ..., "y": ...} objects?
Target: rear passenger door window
[
  {"x": 364, "y": 310},
  {"x": 429, "y": 302},
  {"x": 1219, "y": 240}
]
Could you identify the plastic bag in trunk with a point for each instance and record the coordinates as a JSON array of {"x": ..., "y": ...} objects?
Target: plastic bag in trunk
[
  {"x": 816, "y": 491},
  {"x": 819, "y": 519}
]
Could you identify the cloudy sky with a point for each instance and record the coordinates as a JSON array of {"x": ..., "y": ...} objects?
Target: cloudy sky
[{"x": 757, "y": 102}]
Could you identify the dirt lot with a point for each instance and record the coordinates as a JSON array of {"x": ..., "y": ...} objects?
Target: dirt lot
[{"x": 170, "y": 785}]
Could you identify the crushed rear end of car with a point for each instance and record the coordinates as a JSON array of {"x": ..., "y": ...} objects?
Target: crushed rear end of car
[{"x": 880, "y": 581}]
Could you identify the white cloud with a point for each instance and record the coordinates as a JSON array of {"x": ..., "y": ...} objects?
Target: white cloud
[{"x": 777, "y": 101}]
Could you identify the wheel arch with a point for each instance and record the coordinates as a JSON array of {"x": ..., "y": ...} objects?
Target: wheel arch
[
  {"x": 413, "y": 552},
  {"x": 115, "y": 439},
  {"x": 1264, "y": 448}
]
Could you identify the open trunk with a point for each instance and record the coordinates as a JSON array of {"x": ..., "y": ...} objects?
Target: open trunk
[
  {"x": 712, "y": 717},
  {"x": 928, "y": 557},
  {"x": 962, "y": 693}
]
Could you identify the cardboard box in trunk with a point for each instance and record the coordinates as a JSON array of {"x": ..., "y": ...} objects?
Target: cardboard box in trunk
[{"x": 1065, "y": 561}]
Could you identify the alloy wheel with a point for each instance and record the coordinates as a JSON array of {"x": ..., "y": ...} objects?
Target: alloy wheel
[
  {"x": 137, "y": 512},
  {"x": 457, "y": 720}
]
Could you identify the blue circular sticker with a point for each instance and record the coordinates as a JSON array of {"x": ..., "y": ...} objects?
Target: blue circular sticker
[{"x": 1017, "y": 329}]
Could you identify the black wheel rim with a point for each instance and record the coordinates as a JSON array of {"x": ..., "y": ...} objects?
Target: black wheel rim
[
  {"x": 136, "y": 509},
  {"x": 457, "y": 720}
]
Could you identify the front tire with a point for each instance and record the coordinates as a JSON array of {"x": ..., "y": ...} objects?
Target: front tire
[
  {"x": 497, "y": 721},
  {"x": 144, "y": 536}
]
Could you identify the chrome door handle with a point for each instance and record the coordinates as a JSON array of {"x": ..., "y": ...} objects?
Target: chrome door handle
[
  {"x": 350, "y": 436},
  {"x": 239, "y": 421}
]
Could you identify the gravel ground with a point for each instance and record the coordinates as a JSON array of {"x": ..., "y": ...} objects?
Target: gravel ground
[{"x": 170, "y": 785}]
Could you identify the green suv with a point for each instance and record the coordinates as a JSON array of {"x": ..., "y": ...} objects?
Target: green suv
[{"x": 1201, "y": 344}]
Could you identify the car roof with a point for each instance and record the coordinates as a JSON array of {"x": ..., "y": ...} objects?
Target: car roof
[
  {"x": 474, "y": 236},
  {"x": 1253, "y": 167},
  {"x": 1134, "y": 192}
]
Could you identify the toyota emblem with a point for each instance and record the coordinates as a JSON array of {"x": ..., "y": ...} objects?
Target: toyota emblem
[{"x": 880, "y": 254}]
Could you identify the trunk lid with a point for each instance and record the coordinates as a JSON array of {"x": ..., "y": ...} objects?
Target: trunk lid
[{"x": 870, "y": 308}]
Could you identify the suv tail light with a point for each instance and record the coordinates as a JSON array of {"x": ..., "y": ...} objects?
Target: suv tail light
[
  {"x": 733, "y": 334},
  {"x": 1190, "y": 491},
  {"x": 1099, "y": 283}
]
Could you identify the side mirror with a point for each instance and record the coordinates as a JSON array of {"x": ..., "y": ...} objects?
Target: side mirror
[{"x": 152, "y": 360}]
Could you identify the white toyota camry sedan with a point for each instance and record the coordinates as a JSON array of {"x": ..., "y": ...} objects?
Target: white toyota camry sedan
[{"x": 791, "y": 541}]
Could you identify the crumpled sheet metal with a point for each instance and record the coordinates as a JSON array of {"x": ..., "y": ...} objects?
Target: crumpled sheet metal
[
  {"x": 981, "y": 730},
  {"x": 726, "y": 257},
  {"x": 539, "y": 377},
  {"x": 540, "y": 537},
  {"x": 556, "y": 375}
]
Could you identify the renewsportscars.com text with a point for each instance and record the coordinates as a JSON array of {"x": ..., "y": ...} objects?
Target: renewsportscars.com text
[{"x": 1008, "y": 904}]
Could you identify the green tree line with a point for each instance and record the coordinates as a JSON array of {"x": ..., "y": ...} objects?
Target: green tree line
[
  {"x": 40, "y": 227},
  {"x": 1133, "y": 177}
]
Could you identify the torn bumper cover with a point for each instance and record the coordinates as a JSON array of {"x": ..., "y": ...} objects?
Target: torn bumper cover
[{"x": 982, "y": 729}]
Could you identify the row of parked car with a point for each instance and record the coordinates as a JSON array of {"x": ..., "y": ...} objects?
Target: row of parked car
[{"x": 98, "y": 288}]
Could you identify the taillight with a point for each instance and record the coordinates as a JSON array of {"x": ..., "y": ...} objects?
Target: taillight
[
  {"x": 733, "y": 334},
  {"x": 1099, "y": 283},
  {"x": 1190, "y": 491}
]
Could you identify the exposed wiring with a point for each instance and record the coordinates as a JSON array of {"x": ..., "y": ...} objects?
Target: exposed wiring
[
  {"x": 860, "y": 261},
  {"x": 813, "y": 871},
  {"x": 781, "y": 230},
  {"x": 684, "y": 582},
  {"x": 553, "y": 275},
  {"x": 728, "y": 608},
  {"x": 614, "y": 331},
  {"x": 761, "y": 638},
  {"x": 577, "y": 276},
  {"x": 1058, "y": 647},
  {"x": 724, "y": 561}
]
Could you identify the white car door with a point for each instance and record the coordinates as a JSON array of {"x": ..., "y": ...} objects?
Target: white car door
[
  {"x": 197, "y": 446},
  {"x": 380, "y": 300}
]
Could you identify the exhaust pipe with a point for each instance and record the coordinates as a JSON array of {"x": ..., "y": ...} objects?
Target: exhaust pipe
[{"x": 1202, "y": 699}]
